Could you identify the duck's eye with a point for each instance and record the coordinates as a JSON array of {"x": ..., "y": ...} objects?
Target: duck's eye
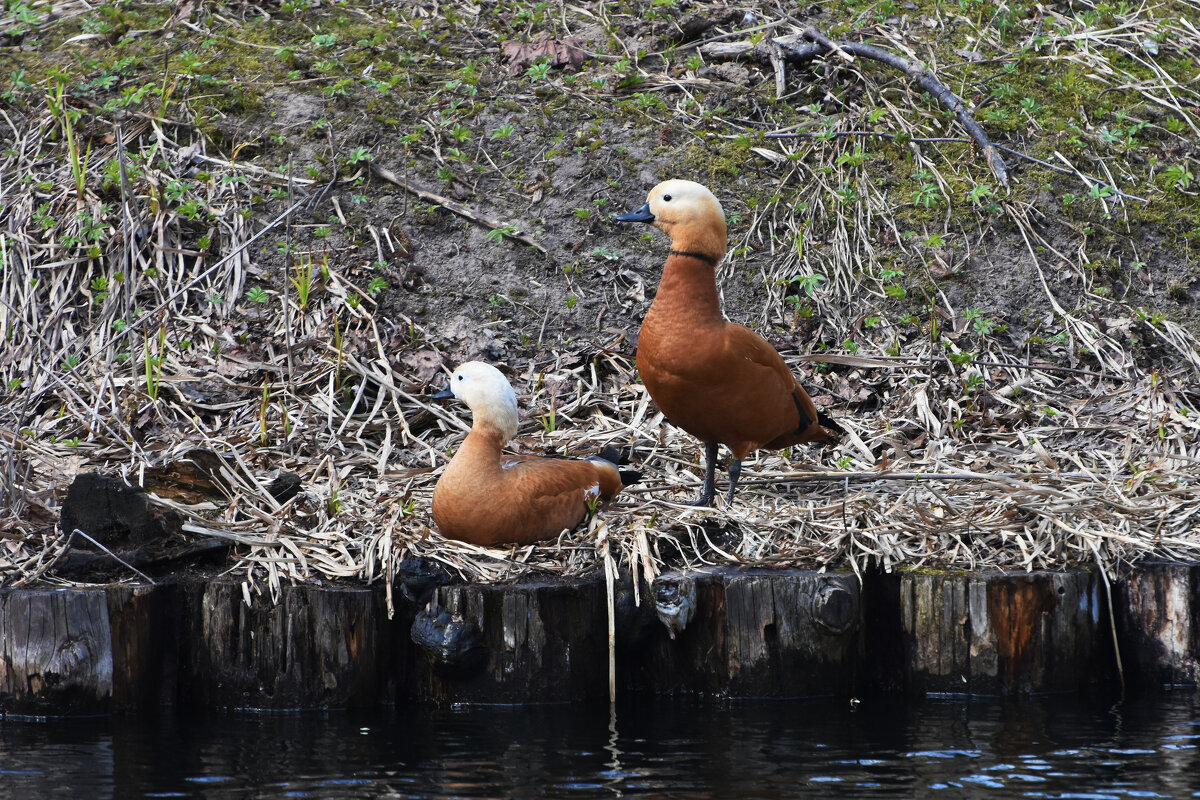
[
  {"x": 666, "y": 198},
  {"x": 459, "y": 377}
]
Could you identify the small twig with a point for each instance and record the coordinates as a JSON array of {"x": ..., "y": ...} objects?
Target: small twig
[
  {"x": 1065, "y": 171},
  {"x": 320, "y": 196},
  {"x": 457, "y": 208},
  {"x": 1108, "y": 376},
  {"x": 867, "y": 477},
  {"x": 882, "y": 134},
  {"x": 730, "y": 35},
  {"x": 289, "y": 263},
  {"x": 126, "y": 216},
  {"x": 1112, "y": 622},
  {"x": 845, "y": 494},
  {"x": 814, "y": 35}
]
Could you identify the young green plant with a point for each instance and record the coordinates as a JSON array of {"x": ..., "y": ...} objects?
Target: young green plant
[
  {"x": 154, "y": 363},
  {"x": 56, "y": 101},
  {"x": 303, "y": 281},
  {"x": 263, "y": 405}
]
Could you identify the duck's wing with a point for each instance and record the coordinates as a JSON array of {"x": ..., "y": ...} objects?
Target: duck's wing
[
  {"x": 548, "y": 495},
  {"x": 606, "y": 466},
  {"x": 544, "y": 478},
  {"x": 774, "y": 392}
]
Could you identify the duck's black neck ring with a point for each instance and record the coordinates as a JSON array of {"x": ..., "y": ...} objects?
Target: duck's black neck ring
[{"x": 705, "y": 257}]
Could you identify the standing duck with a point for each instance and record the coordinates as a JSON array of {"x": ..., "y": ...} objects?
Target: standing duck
[
  {"x": 720, "y": 382},
  {"x": 487, "y": 498}
]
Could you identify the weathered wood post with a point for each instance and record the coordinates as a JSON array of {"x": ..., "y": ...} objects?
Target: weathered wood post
[
  {"x": 1003, "y": 633},
  {"x": 317, "y": 648},
  {"x": 1158, "y": 620},
  {"x": 752, "y": 633},
  {"x": 85, "y": 651},
  {"x": 529, "y": 641}
]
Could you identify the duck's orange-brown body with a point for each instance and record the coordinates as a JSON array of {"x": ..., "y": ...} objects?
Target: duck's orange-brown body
[
  {"x": 719, "y": 381},
  {"x": 486, "y": 497}
]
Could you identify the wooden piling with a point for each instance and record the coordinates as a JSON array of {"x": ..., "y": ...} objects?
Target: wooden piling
[
  {"x": 82, "y": 651},
  {"x": 533, "y": 641},
  {"x": 1003, "y": 633},
  {"x": 319, "y": 647},
  {"x": 723, "y": 632},
  {"x": 1158, "y": 624},
  {"x": 752, "y": 633}
]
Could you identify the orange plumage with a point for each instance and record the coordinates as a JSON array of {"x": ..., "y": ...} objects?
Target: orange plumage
[
  {"x": 719, "y": 381},
  {"x": 486, "y": 497}
]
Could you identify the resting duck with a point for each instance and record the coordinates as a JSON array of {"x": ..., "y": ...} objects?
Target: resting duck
[
  {"x": 718, "y": 381},
  {"x": 487, "y": 498}
]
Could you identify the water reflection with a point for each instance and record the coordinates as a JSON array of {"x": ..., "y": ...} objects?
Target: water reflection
[{"x": 1041, "y": 748}]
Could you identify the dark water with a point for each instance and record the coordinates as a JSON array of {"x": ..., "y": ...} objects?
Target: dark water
[{"x": 1043, "y": 748}]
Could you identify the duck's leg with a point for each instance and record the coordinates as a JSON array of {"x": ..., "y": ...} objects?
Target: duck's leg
[
  {"x": 735, "y": 472},
  {"x": 709, "y": 492}
]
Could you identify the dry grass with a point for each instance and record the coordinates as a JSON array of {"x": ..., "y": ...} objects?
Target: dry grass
[
  {"x": 1109, "y": 476},
  {"x": 963, "y": 449}
]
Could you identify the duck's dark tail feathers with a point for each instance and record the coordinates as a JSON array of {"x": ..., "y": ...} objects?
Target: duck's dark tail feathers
[
  {"x": 826, "y": 421},
  {"x": 629, "y": 477},
  {"x": 614, "y": 456}
]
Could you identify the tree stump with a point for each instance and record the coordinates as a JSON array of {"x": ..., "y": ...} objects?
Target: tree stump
[
  {"x": 751, "y": 633},
  {"x": 1003, "y": 633}
]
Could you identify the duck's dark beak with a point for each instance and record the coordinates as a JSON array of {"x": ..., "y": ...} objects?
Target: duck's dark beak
[
  {"x": 444, "y": 394},
  {"x": 641, "y": 215}
]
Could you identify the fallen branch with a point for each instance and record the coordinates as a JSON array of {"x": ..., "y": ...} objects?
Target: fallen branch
[
  {"x": 797, "y": 53},
  {"x": 458, "y": 208}
]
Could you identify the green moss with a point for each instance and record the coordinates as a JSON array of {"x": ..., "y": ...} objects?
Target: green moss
[{"x": 726, "y": 159}]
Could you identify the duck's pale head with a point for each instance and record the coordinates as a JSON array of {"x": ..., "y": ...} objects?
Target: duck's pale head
[
  {"x": 488, "y": 394},
  {"x": 686, "y": 211}
]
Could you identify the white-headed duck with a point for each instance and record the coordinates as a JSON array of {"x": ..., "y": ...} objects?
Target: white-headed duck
[
  {"x": 487, "y": 498},
  {"x": 720, "y": 382}
]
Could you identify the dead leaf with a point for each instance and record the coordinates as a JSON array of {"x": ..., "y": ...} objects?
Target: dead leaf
[
  {"x": 184, "y": 14},
  {"x": 424, "y": 365},
  {"x": 561, "y": 53}
]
